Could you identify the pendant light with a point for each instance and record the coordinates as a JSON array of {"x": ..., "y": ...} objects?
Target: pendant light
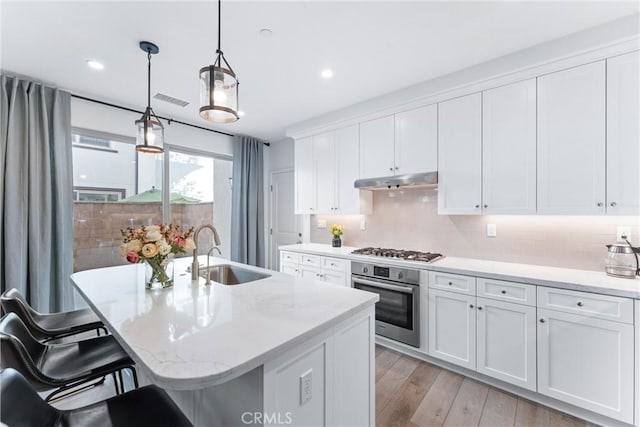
[
  {"x": 150, "y": 135},
  {"x": 219, "y": 88}
]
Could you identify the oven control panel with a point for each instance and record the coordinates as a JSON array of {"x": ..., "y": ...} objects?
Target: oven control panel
[{"x": 397, "y": 274}]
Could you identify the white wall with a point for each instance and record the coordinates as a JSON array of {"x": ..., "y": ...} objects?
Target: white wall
[{"x": 89, "y": 115}]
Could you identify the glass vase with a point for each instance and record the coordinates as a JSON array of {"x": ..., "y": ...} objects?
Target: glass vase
[
  {"x": 158, "y": 274},
  {"x": 336, "y": 242}
]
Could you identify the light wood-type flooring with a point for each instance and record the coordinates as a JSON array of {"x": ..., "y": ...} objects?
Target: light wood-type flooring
[{"x": 411, "y": 392}]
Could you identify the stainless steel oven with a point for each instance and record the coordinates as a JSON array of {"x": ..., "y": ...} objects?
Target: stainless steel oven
[{"x": 398, "y": 310}]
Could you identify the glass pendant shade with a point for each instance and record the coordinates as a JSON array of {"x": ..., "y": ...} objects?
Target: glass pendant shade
[
  {"x": 218, "y": 94},
  {"x": 150, "y": 134}
]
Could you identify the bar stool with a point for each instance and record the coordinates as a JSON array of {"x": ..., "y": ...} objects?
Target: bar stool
[
  {"x": 20, "y": 405},
  {"x": 61, "y": 366},
  {"x": 46, "y": 327}
]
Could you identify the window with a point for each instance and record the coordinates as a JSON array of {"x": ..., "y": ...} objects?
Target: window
[{"x": 114, "y": 187}]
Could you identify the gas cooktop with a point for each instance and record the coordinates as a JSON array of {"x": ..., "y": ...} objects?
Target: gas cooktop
[{"x": 399, "y": 254}]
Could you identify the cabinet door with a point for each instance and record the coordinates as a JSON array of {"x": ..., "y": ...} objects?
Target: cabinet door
[
  {"x": 623, "y": 135},
  {"x": 376, "y": 147},
  {"x": 507, "y": 342},
  {"x": 289, "y": 268},
  {"x": 571, "y": 141},
  {"x": 305, "y": 176},
  {"x": 460, "y": 155},
  {"x": 586, "y": 362},
  {"x": 325, "y": 173},
  {"x": 416, "y": 142},
  {"x": 312, "y": 273},
  {"x": 452, "y": 327},
  {"x": 509, "y": 149},
  {"x": 347, "y": 153}
]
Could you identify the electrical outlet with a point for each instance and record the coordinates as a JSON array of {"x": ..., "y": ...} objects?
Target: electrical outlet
[
  {"x": 491, "y": 230},
  {"x": 623, "y": 231},
  {"x": 363, "y": 224},
  {"x": 306, "y": 387},
  {"x": 322, "y": 223}
]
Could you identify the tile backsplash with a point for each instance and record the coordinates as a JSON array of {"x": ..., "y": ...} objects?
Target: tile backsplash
[{"x": 408, "y": 219}]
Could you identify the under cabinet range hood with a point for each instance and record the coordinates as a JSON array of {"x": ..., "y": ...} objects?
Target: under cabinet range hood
[{"x": 425, "y": 179}]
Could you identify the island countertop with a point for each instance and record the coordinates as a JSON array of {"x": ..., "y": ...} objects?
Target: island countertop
[{"x": 193, "y": 335}]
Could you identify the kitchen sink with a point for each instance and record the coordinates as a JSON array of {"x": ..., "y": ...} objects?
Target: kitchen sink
[{"x": 231, "y": 275}]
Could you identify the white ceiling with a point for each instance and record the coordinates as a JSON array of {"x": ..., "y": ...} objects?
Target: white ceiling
[{"x": 373, "y": 47}]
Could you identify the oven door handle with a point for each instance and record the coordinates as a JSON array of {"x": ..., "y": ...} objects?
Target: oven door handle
[{"x": 403, "y": 289}]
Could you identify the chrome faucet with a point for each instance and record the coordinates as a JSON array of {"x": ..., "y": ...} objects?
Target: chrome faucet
[
  {"x": 208, "y": 282},
  {"x": 195, "y": 266}
]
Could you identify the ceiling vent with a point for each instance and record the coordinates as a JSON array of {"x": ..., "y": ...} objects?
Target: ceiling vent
[{"x": 170, "y": 99}]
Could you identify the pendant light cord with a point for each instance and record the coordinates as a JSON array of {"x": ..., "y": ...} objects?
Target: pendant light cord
[{"x": 149, "y": 82}]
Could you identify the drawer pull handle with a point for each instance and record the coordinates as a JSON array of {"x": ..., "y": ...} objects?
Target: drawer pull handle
[
  {"x": 503, "y": 292},
  {"x": 541, "y": 320},
  {"x": 580, "y": 304},
  {"x": 470, "y": 305}
]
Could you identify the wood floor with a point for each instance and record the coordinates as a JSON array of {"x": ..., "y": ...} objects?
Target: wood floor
[{"x": 410, "y": 392}]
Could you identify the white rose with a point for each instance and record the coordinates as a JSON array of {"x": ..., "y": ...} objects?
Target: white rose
[
  {"x": 134, "y": 246},
  {"x": 154, "y": 235},
  {"x": 150, "y": 228},
  {"x": 123, "y": 250},
  {"x": 164, "y": 247},
  {"x": 190, "y": 245}
]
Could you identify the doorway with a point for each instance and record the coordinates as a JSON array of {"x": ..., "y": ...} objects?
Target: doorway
[{"x": 284, "y": 224}]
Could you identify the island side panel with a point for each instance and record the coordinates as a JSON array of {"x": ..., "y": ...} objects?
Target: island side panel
[{"x": 329, "y": 380}]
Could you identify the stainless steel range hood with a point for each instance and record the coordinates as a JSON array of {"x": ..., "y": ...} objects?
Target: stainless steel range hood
[{"x": 426, "y": 179}]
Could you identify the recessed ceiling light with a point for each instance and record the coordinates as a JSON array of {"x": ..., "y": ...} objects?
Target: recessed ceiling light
[
  {"x": 265, "y": 32},
  {"x": 95, "y": 64},
  {"x": 240, "y": 113},
  {"x": 326, "y": 73}
]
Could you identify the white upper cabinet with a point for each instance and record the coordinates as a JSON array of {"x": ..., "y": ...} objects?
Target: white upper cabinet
[
  {"x": 376, "y": 147},
  {"x": 509, "y": 149},
  {"x": 571, "y": 141},
  {"x": 416, "y": 141},
  {"x": 325, "y": 172},
  {"x": 623, "y": 136},
  {"x": 347, "y": 153},
  {"x": 460, "y": 155},
  {"x": 305, "y": 176}
]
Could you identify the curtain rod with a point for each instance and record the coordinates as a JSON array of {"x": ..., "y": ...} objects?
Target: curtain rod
[{"x": 169, "y": 120}]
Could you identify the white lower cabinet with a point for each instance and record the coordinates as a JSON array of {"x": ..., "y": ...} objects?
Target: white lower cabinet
[
  {"x": 336, "y": 271},
  {"x": 587, "y": 362},
  {"x": 452, "y": 327},
  {"x": 506, "y": 342}
]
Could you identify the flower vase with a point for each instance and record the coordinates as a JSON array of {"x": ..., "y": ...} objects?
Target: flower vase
[
  {"x": 158, "y": 274},
  {"x": 336, "y": 242}
]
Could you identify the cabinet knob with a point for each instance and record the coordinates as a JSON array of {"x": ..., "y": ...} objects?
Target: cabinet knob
[
  {"x": 612, "y": 204},
  {"x": 450, "y": 283},
  {"x": 541, "y": 320},
  {"x": 477, "y": 206},
  {"x": 479, "y": 308},
  {"x": 580, "y": 304},
  {"x": 599, "y": 204},
  {"x": 470, "y": 305},
  {"x": 486, "y": 206},
  {"x": 503, "y": 292},
  {"x": 391, "y": 169},
  {"x": 397, "y": 168}
]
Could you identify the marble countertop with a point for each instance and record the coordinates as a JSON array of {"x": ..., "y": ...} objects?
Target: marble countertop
[
  {"x": 193, "y": 335},
  {"x": 564, "y": 278}
]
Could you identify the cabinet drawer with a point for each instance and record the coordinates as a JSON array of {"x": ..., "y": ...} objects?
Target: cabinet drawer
[
  {"x": 586, "y": 304},
  {"x": 507, "y": 291},
  {"x": 336, "y": 264},
  {"x": 335, "y": 278},
  {"x": 289, "y": 268},
  {"x": 310, "y": 260},
  {"x": 292, "y": 257},
  {"x": 452, "y": 282}
]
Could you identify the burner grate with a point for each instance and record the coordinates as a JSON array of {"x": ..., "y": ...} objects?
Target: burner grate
[{"x": 399, "y": 254}]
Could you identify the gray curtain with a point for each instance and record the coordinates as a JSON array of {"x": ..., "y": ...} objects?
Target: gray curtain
[
  {"x": 247, "y": 202},
  {"x": 36, "y": 207}
]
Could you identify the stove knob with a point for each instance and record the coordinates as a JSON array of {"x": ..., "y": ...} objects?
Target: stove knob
[
  {"x": 400, "y": 275},
  {"x": 365, "y": 270}
]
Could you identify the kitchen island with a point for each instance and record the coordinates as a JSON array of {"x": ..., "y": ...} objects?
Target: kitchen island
[{"x": 272, "y": 351}]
